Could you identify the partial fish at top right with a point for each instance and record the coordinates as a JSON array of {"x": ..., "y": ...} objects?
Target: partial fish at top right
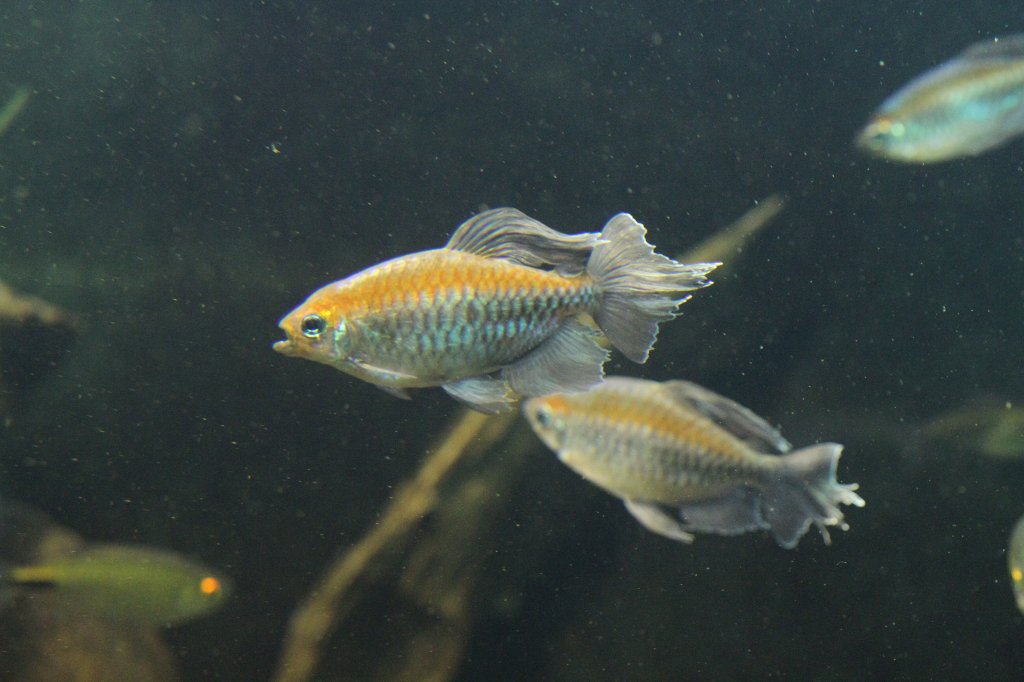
[{"x": 965, "y": 106}]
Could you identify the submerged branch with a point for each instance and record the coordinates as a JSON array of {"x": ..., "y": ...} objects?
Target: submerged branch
[{"x": 331, "y": 599}]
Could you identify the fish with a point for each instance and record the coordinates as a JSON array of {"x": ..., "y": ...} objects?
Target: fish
[
  {"x": 963, "y": 107},
  {"x": 731, "y": 239},
  {"x": 507, "y": 308},
  {"x": 1015, "y": 561},
  {"x": 987, "y": 426},
  {"x": 686, "y": 460},
  {"x": 121, "y": 583}
]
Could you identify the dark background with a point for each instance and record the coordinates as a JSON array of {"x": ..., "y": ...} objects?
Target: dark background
[{"x": 186, "y": 172}]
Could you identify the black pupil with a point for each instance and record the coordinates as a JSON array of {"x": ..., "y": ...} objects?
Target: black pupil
[
  {"x": 312, "y": 325},
  {"x": 543, "y": 417}
]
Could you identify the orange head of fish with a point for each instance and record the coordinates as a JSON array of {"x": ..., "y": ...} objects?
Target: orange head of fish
[
  {"x": 549, "y": 415},
  {"x": 317, "y": 329}
]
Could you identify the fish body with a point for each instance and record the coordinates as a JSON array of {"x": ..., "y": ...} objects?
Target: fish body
[
  {"x": 988, "y": 426},
  {"x": 1015, "y": 559},
  {"x": 685, "y": 460},
  {"x": 508, "y": 308},
  {"x": 963, "y": 107},
  {"x": 123, "y": 583},
  {"x": 445, "y": 314}
]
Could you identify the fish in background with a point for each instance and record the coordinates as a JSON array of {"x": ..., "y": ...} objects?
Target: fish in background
[
  {"x": 963, "y": 107},
  {"x": 508, "y": 308},
  {"x": 728, "y": 243},
  {"x": 122, "y": 583},
  {"x": 988, "y": 426},
  {"x": 685, "y": 460},
  {"x": 125, "y": 583},
  {"x": 1015, "y": 561}
]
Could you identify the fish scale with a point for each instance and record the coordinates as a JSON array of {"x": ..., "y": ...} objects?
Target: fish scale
[
  {"x": 504, "y": 306},
  {"x": 679, "y": 441}
]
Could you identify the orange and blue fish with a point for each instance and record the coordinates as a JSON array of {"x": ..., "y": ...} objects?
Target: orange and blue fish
[
  {"x": 686, "y": 460},
  {"x": 508, "y": 308}
]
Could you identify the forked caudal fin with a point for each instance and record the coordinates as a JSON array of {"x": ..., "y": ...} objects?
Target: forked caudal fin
[
  {"x": 805, "y": 491},
  {"x": 638, "y": 287}
]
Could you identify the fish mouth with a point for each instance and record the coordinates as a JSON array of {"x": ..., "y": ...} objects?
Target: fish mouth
[
  {"x": 869, "y": 142},
  {"x": 286, "y": 347},
  {"x": 879, "y": 135}
]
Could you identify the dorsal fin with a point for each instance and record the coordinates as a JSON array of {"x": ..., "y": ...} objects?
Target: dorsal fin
[
  {"x": 1007, "y": 47},
  {"x": 730, "y": 415},
  {"x": 510, "y": 234}
]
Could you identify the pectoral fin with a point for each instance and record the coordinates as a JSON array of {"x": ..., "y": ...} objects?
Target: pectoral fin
[
  {"x": 384, "y": 379},
  {"x": 395, "y": 391}
]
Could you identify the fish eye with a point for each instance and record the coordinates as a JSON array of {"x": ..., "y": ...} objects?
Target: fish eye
[
  {"x": 313, "y": 326},
  {"x": 544, "y": 417}
]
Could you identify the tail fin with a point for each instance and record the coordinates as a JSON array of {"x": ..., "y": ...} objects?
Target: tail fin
[
  {"x": 805, "y": 491},
  {"x": 8, "y": 590},
  {"x": 639, "y": 288}
]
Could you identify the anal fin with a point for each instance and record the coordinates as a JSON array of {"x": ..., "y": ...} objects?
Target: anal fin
[
  {"x": 737, "y": 511},
  {"x": 570, "y": 360}
]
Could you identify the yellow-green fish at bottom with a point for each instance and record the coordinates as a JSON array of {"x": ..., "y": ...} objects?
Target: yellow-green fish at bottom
[
  {"x": 686, "y": 460},
  {"x": 125, "y": 583}
]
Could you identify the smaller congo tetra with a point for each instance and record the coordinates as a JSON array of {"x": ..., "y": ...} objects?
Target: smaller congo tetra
[
  {"x": 686, "y": 460},
  {"x": 508, "y": 308}
]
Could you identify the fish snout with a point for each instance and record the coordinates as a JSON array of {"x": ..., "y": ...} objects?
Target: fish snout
[
  {"x": 286, "y": 347},
  {"x": 880, "y": 136},
  {"x": 870, "y": 141}
]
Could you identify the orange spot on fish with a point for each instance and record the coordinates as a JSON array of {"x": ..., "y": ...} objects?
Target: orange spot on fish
[{"x": 209, "y": 585}]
